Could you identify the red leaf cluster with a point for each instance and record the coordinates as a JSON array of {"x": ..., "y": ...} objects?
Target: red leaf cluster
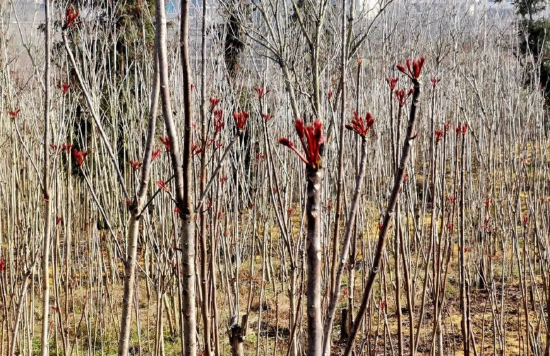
[
  {"x": 218, "y": 121},
  {"x": 14, "y": 113},
  {"x": 241, "y": 117},
  {"x": 413, "y": 69},
  {"x": 461, "y": 129},
  {"x": 136, "y": 165},
  {"x": 155, "y": 154},
  {"x": 79, "y": 156},
  {"x": 166, "y": 142},
  {"x": 163, "y": 186},
  {"x": 70, "y": 18},
  {"x": 402, "y": 96},
  {"x": 214, "y": 102},
  {"x": 64, "y": 87},
  {"x": 311, "y": 138},
  {"x": 65, "y": 147},
  {"x": 439, "y": 134},
  {"x": 260, "y": 91},
  {"x": 359, "y": 125},
  {"x": 392, "y": 82}
]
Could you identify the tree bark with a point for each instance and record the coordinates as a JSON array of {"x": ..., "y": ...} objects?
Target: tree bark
[
  {"x": 46, "y": 190},
  {"x": 313, "y": 212},
  {"x": 184, "y": 191}
]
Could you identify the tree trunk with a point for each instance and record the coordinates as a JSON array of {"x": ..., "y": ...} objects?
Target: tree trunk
[
  {"x": 46, "y": 190},
  {"x": 136, "y": 209},
  {"x": 184, "y": 191},
  {"x": 313, "y": 212},
  {"x": 382, "y": 238}
]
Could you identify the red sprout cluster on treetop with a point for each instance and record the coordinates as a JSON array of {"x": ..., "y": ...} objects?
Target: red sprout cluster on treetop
[
  {"x": 214, "y": 102},
  {"x": 402, "y": 96},
  {"x": 413, "y": 69},
  {"x": 260, "y": 91},
  {"x": 14, "y": 113},
  {"x": 439, "y": 134},
  {"x": 64, "y": 87},
  {"x": 312, "y": 138},
  {"x": 166, "y": 142},
  {"x": 361, "y": 125},
  {"x": 70, "y": 18},
  {"x": 136, "y": 164},
  {"x": 79, "y": 156},
  {"x": 162, "y": 185},
  {"x": 218, "y": 121},
  {"x": 240, "y": 119},
  {"x": 155, "y": 154},
  {"x": 461, "y": 129},
  {"x": 392, "y": 82},
  {"x": 65, "y": 147}
]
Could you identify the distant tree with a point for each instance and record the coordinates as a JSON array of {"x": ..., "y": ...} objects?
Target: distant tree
[{"x": 534, "y": 33}]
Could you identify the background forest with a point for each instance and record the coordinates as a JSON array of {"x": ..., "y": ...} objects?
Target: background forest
[{"x": 274, "y": 177}]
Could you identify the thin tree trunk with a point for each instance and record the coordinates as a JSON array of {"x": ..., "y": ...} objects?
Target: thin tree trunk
[
  {"x": 335, "y": 243},
  {"x": 345, "y": 249},
  {"x": 46, "y": 190},
  {"x": 184, "y": 191},
  {"x": 136, "y": 209},
  {"x": 314, "y": 312},
  {"x": 205, "y": 307},
  {"x": 398, "y": 180}
]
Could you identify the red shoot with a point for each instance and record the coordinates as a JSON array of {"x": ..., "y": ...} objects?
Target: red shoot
[
  {"x": 66, "y": 147},
  {"x": 392, "y": 82},
  {"x": 70, "y": 18},
  {"x": 286, "y": 142},
  {"x": 2, "y": 264},
  {"x": 218, "y": 121},
  {"x": 79, "y": 156},
  {"x": 311, "y": 138},
  {"x": 414, "y": 67},
  {"x": 14, "y": 113},
  {"x": 266, "y": 117},
  {"x": 155, "y": 154},
  {"x": 439, "y": 134},
  {"x": 260, "y": 91},
  {"x": 214, "y": 102},
  {"x": 64, "y": 87},
  {"x": 435, "y": 81},
  {"x": 451, "y": 199},
  {"x": 461, "y": 129},
  {"x": 359, "y": 125},
  {"x": 177, "y": 211},
  {"x": 329, "y": 95},
  {"x": 166, "y": 142},
  {"x": 402, "y": 96},
  {"x": 58, "y": 220},
  {"x": 240, "y": 119},
  {"x": 163, "y": 186},
  {"x": 136, "y": 165}
]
